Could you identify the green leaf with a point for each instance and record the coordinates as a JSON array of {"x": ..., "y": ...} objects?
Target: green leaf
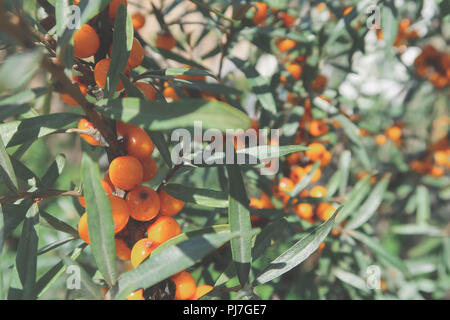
[
  {"x": 239, "y": 220},
  {"x": 58, "y": 224},
  {"x": 304, "y": 182},
  {"x": 379, "y": 251},
  {"x": 389, "y": 22},
  {"x": 172, "y": 72},
  {"x": 351, "y": 279},
  {"x": 359, "y": 192},
  {"x": 19, "y": 103},
  {"x": 54, "y": 171},
  {"x": 61, "y": 10},
  {"x": 162, "y": 145},
  {"x": 26, "y": 259},
  {"x": 18, "y": 69},
  {"x": 7, "y": 174},
  {"x": 165, "y": 263},
  {"x": 423, "y": 205},
  {"x": 156, "y": 115},
  {"x": 100, "y": 220},
  {"x": 54, "y": 245},
  {"x": 122, "y": 43},
  {"x": 414, "y": 229},
  {"x": 202, "y": 197},
  {"x": 298, "y": 253},
  {"x": 344, "y": 165},
  {"x": 17, "y": 132},
  {"x": 370, "y": 206}
]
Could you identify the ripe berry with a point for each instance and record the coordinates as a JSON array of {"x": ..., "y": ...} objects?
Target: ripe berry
[
  {"x": 304, "y": 211},
  {"x": 83, "y": 228},
  {"x": 122, "y": 250},
  {"x": 297, "y": 174},
  {"x": 317, "y": 128},
  {"x": 106, "y": 186},
  {"x": 165, "y": 41},
  {"x": 319, "y": 83},
  {"x": 256, "y": 203},
  {"x": 170, "y": 206},
  {"x": 295, "y": 70},
  {"x": 85, "y": 42},
  {"x": 201, "y": 291},
  {"x": 137, "y": 295},
  {"x": 149, "y": 167},
  {"x": 286, "y": 45},
  {"x": 126, "y": 172},
  {"x": 68, "y": 98},
  {"x": 171, "y": 93},
  {"x": 315, "y": 151},
  {"x": 316, "y": 175},
  {"x": 114, "y": 5},
  {"x": 318, "y": 192},
  {"x": 394, "y": 133},
  {"x": 260, "y": 12},
  {"x": 380, "y": 139},
  {"x": 136, "y": 55},
  {"x": 85, "y": 124},
  {"x": 147, "y": 90},
  {"x": 101, "y": 73},
  {"x": 141, "y": 250},
  {"x": 138, "y": 20},
  {"x": 136, "y": 140},
  {"x": 266, "y": 202},
  {"x": 143, "y": 202},
  {"x": 288, "y": 20},
  {"x": 163, "y": 229},
  {"x": 184, "y": 284},
  {"x": 325, "y": 210}
]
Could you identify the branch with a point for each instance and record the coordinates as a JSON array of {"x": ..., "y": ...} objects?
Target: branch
[{"x": 39, "y": 195}]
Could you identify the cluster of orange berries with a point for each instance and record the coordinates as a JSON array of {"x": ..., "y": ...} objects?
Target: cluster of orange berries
[
  {"x": 434, "y": 65},
  {"x": 435, "y": 164},
  {"x": 393, "y": 133},
  {"x": 404, "y": 34}
]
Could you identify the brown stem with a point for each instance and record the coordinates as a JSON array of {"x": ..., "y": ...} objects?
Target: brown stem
[{"x": 39, "y": 195}]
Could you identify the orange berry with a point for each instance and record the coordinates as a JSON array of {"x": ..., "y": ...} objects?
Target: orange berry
[
  {"x": 260, "y": 12},
  {"x": 322, "y": 245},
  {"x": 126, "y": 172},
  {"x": 380, "y": 139},
  {"x": 286, "y": 45},
  {"x": 136, "y": 140},
  {"x": 101, "y": 73},
  {"x": 114, "y": 5},
  {"x": 122, "y": 250},
  {"x": 317, "y": 128},
  {"x": 170, "y": 206},
  {"x": 288, "y": 20},
  {"x": 315, "y": 152},
  {"x": 316, "y": 175},
  {"x": 318, "y": 192},
  {"x": 326, "y": 159},
  {"x": 171, "y": 93},
  {"x": 201, "y": 291},
  {"x": 297, "y": 174},
  {"x": 137, "y": 295},
  {"x": 394, "y": 133},
  {"x": 136, "y": 55},
  {"x": 86, "y": 42},
  {"x": 256, "y": 203},
  {"x": 106, "y": 186},
  {"x": 325, "y": 210},
  {"x": 143, "y": 203},
  {"x": 436, "y": 171},
  {"x": 184, "y": 284},
  {"x": 147, "y": 90},
  {"x": 293, "y": 158},
  {"x": 150, "y": 168},
  {"x": 441, "y": 157},
  {"x": 266, "y": 202},
  {"x": 165, "y": 41},
  {"x": 304, "y": 211},
  {"x": 83, "y": 228},
  {"x": 120, "y": 212},
  {"x": 68, "y": 98},
  {"x": 286, "y": 185},
  {"x": 85, "y": 124},
  {"x": 319, "y": 83},
  {"x": 163, "y": 229},
  {"x": 141, "y": 250},
  {"x": 138, "y": 20},
  {"x": 347, "y": 11},
  {"x": 295, "y": 70}
]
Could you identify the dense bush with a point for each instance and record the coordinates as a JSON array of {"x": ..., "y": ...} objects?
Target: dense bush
[{"x": 93, "y": 95}]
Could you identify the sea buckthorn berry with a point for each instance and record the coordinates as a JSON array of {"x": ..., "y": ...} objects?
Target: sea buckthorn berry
[
  {"x": 347, "y": 11},
  {"x": 295, "y": 71},
  {"x": 163, "y": 229},
  {"x": 394, "y": 133},
  {"x": 141, "y": 250},
  {"x": 136, "y": 55},
  {"x": 86, "y": 42},
  {"x": 170, "y": 206},
  {"x": 83, "y": 228},
  {"x": 316, "y": 175},
  {"x": 136, "y": 140},
  {"x": 441, "y": 158},
  {"x": 136, "y": 295},
  {"x": 114, "y": 5},
  {"x": 304, "y": 211},
  {"x": 171, "y": 93},
  {"x": 286, "y": 45},
  {"x": 101, "y": 73},
  {"x": 68, "y": 98},
  {"x": 315, "y": 151},
  {"x": 380, "y": 139},
  {"x": 85, "y": 124},
  {"x": 260, "y": 12},
  {"x": 256, "y": 203},
  {"x": 437, "y": 171},
  {"x": 122, "y": 250},
  {"x": 148, "y": 91},
  {"x": 321, "y": 247},
  {"x": 293, "y": 158},
  {"x": 326, "y": 159},
  {"x": 266, "y": 202},
  {"x": 319, "y": 83},
  {"x": 138, "y": 20},
  {"x": 317, "y": 128},
  {"x": 297, "y": 174},
  {"x": 126, "y": 172},
  {"x": 120, "y": 212},
  {"x": 143, "y": 203},
  {"x": 285, "y": 186},
  {"x": 165, "y": 41},
  {"x": 318, "y": 192},
  {"x": 184, "y": 285},
  {"x": 150, "y": 168},
  {"x": 106, "y": 186},
  {"x": 325, "y": 210},
  {"x": 288, "y": 20},
  {"x": 201, "y": 291}
]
